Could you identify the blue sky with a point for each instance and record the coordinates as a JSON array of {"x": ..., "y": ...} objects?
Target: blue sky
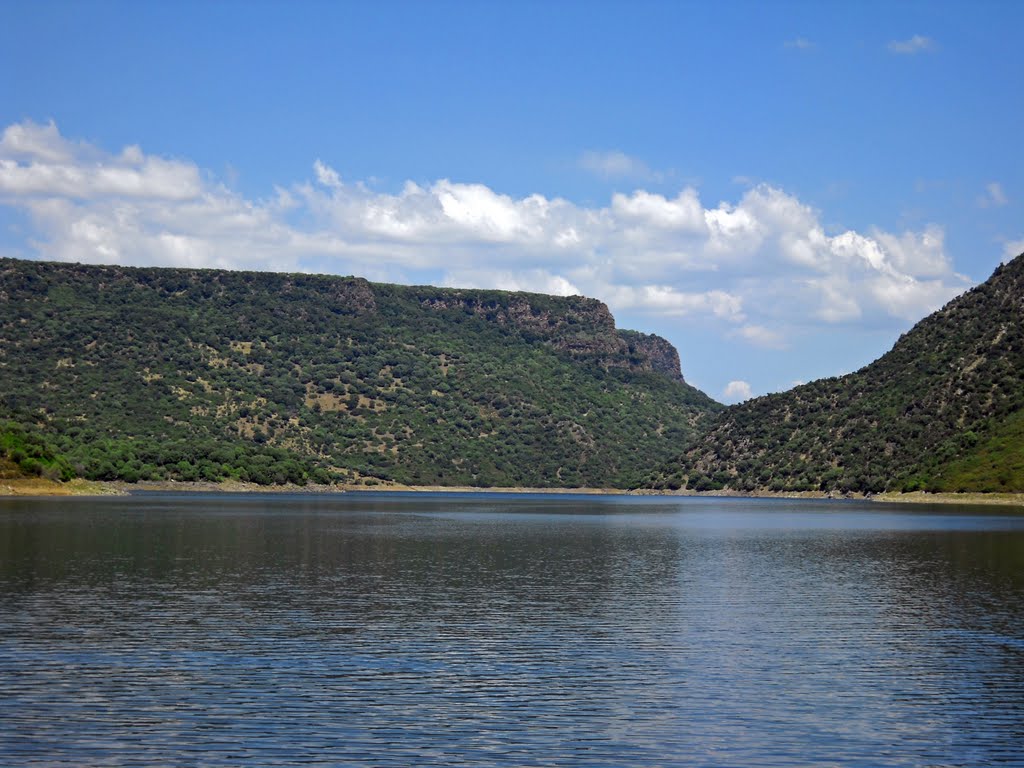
[{"x": 780, "y": 189}]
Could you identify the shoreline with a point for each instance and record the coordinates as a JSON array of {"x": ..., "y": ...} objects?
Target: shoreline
[
  {"x": 967, "y": 497},
  {"x": 10, "y": 488},
  {"x": 78, "y": 487}
]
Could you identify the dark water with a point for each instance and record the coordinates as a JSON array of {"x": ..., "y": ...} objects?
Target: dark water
[{"x": 519, "y": 631}]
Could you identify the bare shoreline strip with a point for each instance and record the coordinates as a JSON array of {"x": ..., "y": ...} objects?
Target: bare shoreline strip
[
  {"x": 41, "y": 487},
  {"x": 920, "y": 497}
]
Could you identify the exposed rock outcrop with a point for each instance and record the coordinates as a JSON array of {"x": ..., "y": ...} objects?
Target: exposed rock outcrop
[
  {"x": 579, "y": 327},
  {"x": 653, "y": 353}
]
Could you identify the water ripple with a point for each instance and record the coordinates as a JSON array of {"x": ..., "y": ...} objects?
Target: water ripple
[{"x": 507, "y": 632}]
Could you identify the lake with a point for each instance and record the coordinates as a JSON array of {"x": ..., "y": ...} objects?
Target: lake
[{"x": 490, "y": 629}]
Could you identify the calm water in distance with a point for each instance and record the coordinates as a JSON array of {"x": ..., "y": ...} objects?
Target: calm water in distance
[{"x": 437, "y": 629}]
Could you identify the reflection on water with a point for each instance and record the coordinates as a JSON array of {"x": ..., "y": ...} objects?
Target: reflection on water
[{"x": 381, "y": 629}]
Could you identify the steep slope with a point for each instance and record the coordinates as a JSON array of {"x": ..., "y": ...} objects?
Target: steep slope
[
  {"x": 196, "y": 374},
  {"x": 941, "y": 410}
]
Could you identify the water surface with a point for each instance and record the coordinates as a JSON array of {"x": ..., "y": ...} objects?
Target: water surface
[{"x": 436, "y": 629}]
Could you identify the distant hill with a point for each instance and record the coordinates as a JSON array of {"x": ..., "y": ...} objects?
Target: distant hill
[
  {"x": 942, "y": 411},
  {"x": 124, "y": 373}
]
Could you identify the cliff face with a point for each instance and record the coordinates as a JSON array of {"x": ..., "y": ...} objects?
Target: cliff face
[
  {"x": 581, "y": 328},
  {"x": 653, "y": 353}
]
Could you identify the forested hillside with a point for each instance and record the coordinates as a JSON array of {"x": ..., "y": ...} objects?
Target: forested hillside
[
  {"x": 123, "y": 373},
  {"x": 942, "y": 411}
]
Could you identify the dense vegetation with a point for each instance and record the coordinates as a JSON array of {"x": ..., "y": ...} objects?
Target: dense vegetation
[
  {"x": 942, "y": 411},
  {"x": 24, "y": 452},
  {"x": 134, "y": 374}
]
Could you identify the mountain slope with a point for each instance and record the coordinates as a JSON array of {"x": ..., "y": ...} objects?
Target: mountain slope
[
  {"x": 200, "y": 374},
  {"x": 941, "y": 410}
]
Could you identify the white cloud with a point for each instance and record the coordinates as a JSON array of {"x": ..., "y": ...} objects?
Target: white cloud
[
  {"x": 921, "y": 254},
  {"x": 736, "y": 392},
  {"x": 760, "y": 268},
  {"x": 35, "y": 160},
  {"x": 42, "y": 142},
  {"x": 666, "y": 300},
  {"x": 534, "y": 281},
  {"x": 733, "y": 230},
  {"x": 326, "y": 175},
  {"x": 614, "y": 164},
  {"x": 994, "y": 197},
  {"x": 684, "y": 213},
  {"x": 123, "y": 177},
  {"x": 904, "y": 295},
  {"x": 912, "y": 45}
]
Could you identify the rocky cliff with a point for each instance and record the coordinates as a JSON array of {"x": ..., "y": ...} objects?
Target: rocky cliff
[{"x": 579, "y": 327}]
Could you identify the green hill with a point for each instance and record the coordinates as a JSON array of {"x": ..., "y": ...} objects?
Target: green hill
[
  {"x": 26, "y": 453},
  {"x": 943, "y": 411},
  {"x": 123, "y": 373}
]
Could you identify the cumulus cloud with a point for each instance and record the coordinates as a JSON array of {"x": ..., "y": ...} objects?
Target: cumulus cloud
[
  {"x": 533, "y": 280},
  {"x": 912, "y": 45},
  {"x": 36, "y": 161},
  {"x": 666, "y": 300},
  {"x": 684, "y": 213},
  {"x": 759, "y": 269},
  {"x": 916, "y": 253},
  {"x": 736, "y": 392},
  {"x": 41, "y": 142}
]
